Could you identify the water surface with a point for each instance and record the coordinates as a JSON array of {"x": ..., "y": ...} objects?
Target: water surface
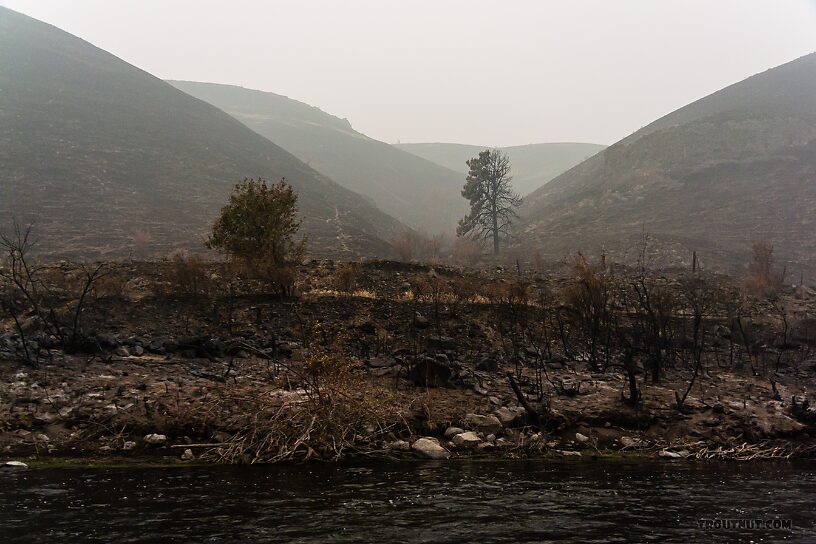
[{"x": 456, "y": 502}]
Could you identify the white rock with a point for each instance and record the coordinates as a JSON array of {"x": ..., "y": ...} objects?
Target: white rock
[
  {"x": 187, "y": 455},
  {"x": 581, "y": 438},
  {"x": 567, "y": 453},
  {"x": 15, "y": 465},
  {"x": 430, "y": 448},
  {"x": 129, "y": 445},
  {"x": 155, "y": 439},
  {"x": 467, "y": 440},
  {"x": 669, "y": 455}
]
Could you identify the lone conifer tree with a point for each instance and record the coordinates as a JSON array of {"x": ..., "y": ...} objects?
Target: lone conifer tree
[{"x": 493, "y": 202}]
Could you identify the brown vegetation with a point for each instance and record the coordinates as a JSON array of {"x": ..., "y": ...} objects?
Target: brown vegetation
[{"x": 197, "y": 352}]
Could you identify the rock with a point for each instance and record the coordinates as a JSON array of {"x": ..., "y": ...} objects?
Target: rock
[
  {"x": 367, "y": 327},
  {"x": 421, "y": 322},
  {"x": 485, "y": 446},
  {"x": 45, "y": 418},
  {"x": 467, "y": 440},
  {"x": 490, "y": 438},
  {"x": 487, "y": 364},
  {"x": 666, "y": 454},
  {"x": 430, "y": 448},
  {"x": 450, "y": 432},
  {"x": 14, "y": 465},
  {"x": 157, "y": 345},
  {"x": 122, "y": 351},
  {"x": 137, "y": 350},
  {"x": 428, "y": 372},
  {"x": 485, "y": 424},
  {"x": 399, "y": 445},
  {"x": 629, "y": 442},
  {"x": 567, "y": 453},
  {"x": 129, "y": 445},
  {"x": 155, "y": 439},
  {"x": 107, "y": 341},
  {"x": 440, "y": 343},
  {"x": 581, "y": 438},
  {"x": 506, "y": 416},
  {"x": 382, "y": 362},
  {"x": 187, "y": 455},
  {"x": 495, "y": 400}
]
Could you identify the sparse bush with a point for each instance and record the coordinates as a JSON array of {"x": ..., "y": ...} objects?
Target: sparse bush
[
  {"x": 411, "y": 245},
  {"x": 762, "y": 279},
  {"x": 46, "y": 299},
  {"x": 141, "y": 242},
  {"x": 345, "y": 278},
  {"x": 405, "y": 245},
  {"x": 588, "y": 299},
  {"x": 467, "y": 251},
  {"x": 257, "y": 230},
  {"x": 112, "y": 285},
  {"x": 188, "y": 274}
]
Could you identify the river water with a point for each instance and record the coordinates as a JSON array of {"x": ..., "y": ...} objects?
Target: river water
[{"x": 457, "y": 502}]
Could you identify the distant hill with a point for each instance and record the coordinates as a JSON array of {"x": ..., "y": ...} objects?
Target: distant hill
[
  {"x": 533, "y": 164},
  {"x": 415, "y": 191},
  {"x": 732, "y": 168},
  {"x": 94, "y": 150}
]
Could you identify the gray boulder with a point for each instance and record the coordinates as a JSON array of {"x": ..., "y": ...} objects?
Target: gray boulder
[
  {"x": 430, "y": 448},
  {"x": 467, "y": 440},
  {"x": 155, "y": 439},
  {"x": 484, "y": 424}
]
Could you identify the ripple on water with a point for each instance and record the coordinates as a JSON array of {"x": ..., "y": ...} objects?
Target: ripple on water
[{"x": 488, "y": 502}]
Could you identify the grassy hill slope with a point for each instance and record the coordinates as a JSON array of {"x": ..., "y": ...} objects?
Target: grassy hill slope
[
  {"x": 414, "y": 190},
  {"x": 93, "y": 149},
  {"x": 732, "y": 168}
]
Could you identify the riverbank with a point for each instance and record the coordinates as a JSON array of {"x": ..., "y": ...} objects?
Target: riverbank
[{"x": 385, "y": 368}]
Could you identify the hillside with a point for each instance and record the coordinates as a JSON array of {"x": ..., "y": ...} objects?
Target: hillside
[
  {"x": 415, "y": 191},
  {"x": 93, "y": 150},
  {"x": 533, "y": 164},
  {"x": 732, "y": 168}
]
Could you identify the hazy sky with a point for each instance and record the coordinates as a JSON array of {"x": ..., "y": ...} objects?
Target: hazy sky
[{"x": 472, "y": 71}]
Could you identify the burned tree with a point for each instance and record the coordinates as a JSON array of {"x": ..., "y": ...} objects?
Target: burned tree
[{"x": 492, "y": 200}]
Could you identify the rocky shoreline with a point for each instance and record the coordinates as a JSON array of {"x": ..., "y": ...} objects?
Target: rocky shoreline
[{"x": 375, "y": 372}]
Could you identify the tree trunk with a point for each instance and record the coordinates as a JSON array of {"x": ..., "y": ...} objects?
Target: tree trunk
[{"x": 495, "y": 234}]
